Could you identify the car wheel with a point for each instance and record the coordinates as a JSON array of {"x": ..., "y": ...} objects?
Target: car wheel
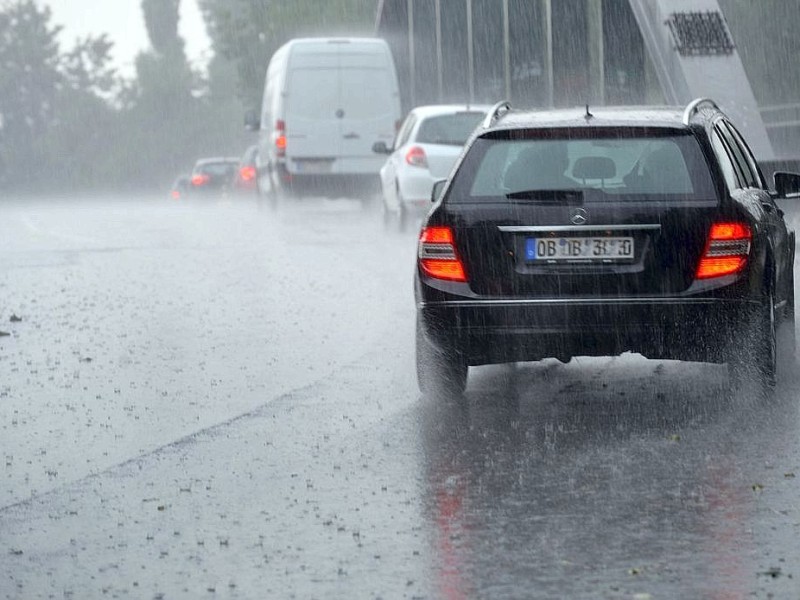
[
  {"x": 765, "y": 344},
  {"x": 402, "y": 218},
  {"x": 267, "y": 198},
  {"x": 755, "y": 359},
  {"x": 439, "y": 374},
  {"x": 388, "y": 218},
  {"x": 787, "y": 340}
]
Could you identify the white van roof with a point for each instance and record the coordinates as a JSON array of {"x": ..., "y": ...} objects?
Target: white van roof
[{"x": 316, "y": 45}]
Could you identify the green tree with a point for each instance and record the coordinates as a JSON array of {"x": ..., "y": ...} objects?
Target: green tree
[
  {"x": 247, "y": 32},
  {"x": 29, "y": 85}
]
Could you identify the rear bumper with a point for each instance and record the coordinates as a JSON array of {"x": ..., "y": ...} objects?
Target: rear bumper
[
  {"x": 326, "y": 184},
  {"x": 491, "y": 331}
]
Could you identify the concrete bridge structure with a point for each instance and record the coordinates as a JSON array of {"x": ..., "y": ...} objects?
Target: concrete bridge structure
[{"x": 572, "y": 52}]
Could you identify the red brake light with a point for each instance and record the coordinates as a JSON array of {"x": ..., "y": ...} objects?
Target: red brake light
[
  {"x": 436, "y": 235},
  {"x": 726, "y": 252},
  {"x": 416, "y": 157},
  {"x": 280, "y": 137},
  {"x": 247, "y": 173},
  {"x": 200, "y": 179},
  {"x": 729, "y": 231},
  {"x": 437, "y": 255},
  {"x": 176, "y": 195}
]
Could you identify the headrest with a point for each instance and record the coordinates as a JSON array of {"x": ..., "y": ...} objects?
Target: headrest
[{"x": 594, "y": 167}]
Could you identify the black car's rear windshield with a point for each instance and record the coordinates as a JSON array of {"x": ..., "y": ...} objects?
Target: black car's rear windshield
[
  {"x": 452, "y": 130},
  {"x": 599, "y": 164}
]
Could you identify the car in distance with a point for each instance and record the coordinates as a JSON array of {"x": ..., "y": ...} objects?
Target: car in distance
[
  {"x": 565, "y": 233},
  {"x": 424, "y": 151},
  {"x": 212, "y": 176},
  {"x": 179, "y": 187},
  {"x": 326, "y": 101}
]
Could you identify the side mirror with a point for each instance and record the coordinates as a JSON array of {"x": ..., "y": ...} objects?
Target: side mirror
[
  {"x": 787, "y": 185},
  {"x": 438, "y": 188},
  {"x": 381, "y": 148},
  {"x": 251, "y": 121}
]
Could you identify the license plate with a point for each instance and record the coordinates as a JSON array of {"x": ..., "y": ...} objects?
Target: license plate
[
  {"x": 578, "y": 248},
  {"x": 313, "y": 166}
]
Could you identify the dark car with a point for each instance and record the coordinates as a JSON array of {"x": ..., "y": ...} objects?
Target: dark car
[
  {"x": 565, "y": 233},
  {"x": 213, "y": 176},
  {"x": 246, "y": 178},
  {"x": 179, "y": 187}
]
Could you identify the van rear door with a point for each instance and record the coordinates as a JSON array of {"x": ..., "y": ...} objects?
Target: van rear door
[
  {"x": 313, "y": 138},
  {"x": 368, "y": 102}
]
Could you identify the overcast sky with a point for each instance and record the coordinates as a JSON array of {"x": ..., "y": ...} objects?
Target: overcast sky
[{"x": 123, "y": 21}]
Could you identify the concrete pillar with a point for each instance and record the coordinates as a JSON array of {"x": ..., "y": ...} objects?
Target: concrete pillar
[
  {"x": 506, "y": 51},
  {"x": 412, "y": 70},
  {"x": 548, "y": 52},
  {"x": 439, "y": 60},
  {"x": 597, "y": 74},
  {"x": 470, "y": 53}
]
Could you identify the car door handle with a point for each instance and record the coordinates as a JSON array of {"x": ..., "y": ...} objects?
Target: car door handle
[{"x": 352, "y": 136}]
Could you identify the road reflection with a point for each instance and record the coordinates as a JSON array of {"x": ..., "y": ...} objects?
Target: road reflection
[{"x": 602, "y": 478}]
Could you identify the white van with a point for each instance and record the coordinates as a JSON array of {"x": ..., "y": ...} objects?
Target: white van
[{"x": 326, "y": 102}]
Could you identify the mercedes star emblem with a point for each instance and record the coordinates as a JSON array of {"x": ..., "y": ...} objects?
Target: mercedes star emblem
[{"x": 578, "y": 216}]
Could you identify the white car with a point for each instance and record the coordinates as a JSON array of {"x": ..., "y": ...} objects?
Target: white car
[{"x": 426, "y": 146}]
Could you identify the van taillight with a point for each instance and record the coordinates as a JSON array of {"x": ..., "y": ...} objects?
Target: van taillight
[
  {"x": 437, "y": 254},
  {"x": 726, "y": 251},
  {"x": 280, "y": 139}
]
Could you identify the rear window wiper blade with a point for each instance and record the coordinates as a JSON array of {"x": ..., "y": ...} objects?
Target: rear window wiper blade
[{"x": 567, "y": 197}]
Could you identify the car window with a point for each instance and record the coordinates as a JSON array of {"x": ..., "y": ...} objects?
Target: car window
[
  {"x": 451, "y": 130},
  {"x": 600, "y": 166},
  {"x": 405, "y": 131},
  {"x": 749, "y": 177},
  {"x": 748, "y": 155},
  {"x": 725, "y": 161}
]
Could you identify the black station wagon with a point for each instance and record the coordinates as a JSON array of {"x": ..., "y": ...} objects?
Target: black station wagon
[{"x": 570, "y": 232}]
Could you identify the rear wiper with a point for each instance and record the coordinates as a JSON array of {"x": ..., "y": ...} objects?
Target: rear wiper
[{"x": 568, "y": 197}]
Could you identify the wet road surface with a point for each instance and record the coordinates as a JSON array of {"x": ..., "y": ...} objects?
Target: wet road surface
[{"x": 215, "y": 401}]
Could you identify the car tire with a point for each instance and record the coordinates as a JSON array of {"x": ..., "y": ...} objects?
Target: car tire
[
  {"x": 439, "y": 374},
  {"x": 755, "y": 359},
  {"x": 388, "y": 218},
  {"x": 402, "y": 218},
  {"x": 267, "y": 198},
  {"x": 787, "y": 338},
  {"x": 768, "y": 365},
  {"x": 765, "y": 339}
]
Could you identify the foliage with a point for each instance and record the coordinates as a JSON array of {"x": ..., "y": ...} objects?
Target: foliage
[
  {"x": 69, "y": 121},
  {"x": 247, "y": 32}
]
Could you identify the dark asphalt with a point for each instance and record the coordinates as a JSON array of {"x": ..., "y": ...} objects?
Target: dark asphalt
[{"x": 249, "y": 426}]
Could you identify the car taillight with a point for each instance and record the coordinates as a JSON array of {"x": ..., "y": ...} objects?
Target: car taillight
[
  {"x": 416, "y": 157},
  {"x": 176, "y": 195},
  {"x": 726, "y": 251},
  {"x": 437, "y": 254},
  {"x": 280, "y": 139},
  {"x": 200, "y": 179},
  {"x": 247, "y": 173}
]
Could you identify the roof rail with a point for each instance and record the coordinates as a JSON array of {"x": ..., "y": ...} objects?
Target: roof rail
[
  {"x": 497, "y": 111},
  {"x": 695, "y": 105}
]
